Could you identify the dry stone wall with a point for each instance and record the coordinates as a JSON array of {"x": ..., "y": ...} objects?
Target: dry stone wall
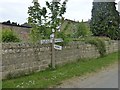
[{"x": 25, "y": 58}]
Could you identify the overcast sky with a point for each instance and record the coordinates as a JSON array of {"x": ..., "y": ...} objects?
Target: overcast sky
[{"x": 16, "y": 10}]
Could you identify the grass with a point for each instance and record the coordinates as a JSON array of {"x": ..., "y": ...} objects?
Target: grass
[{"x": 49, "y": 77}]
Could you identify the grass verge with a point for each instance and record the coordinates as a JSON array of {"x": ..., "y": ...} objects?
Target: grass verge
[{"x": 49, "y": 77}]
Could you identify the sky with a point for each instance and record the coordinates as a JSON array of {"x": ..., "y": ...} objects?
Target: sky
[{"x": 16, "y": 10}]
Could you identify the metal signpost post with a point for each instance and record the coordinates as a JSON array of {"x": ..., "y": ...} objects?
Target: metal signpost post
[
  {"x": 54, "y": 46},
  {"x": 53, "y": 40},
  {"x": 52, "y": 36},
  {"x": 53, "y": 53}
]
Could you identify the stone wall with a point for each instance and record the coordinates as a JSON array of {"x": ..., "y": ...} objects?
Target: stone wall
[
  {"x": 20, "y": 59},
  {"x": 0, "y": 56}
]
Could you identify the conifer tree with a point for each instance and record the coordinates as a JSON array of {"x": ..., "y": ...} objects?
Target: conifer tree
[{"x": 105, "y": 20}]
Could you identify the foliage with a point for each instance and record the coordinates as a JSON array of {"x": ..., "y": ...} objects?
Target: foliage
[
  {"x": 57, "y": 10},
  {"x": 62, "y": 34},
  {"x": 44, "y": 19},
  {"x": 105, "y": 20},
  {"x": 56, "y": 13},
  {"x": 82, "y": 30},
  {"x": 99, "y": 43},
  {"x": 68, "y": 27},
  {"x": 9, "y": 36},
  {"x": 48, "y": 78},
  {"x": 66, "y": 38},
  {"x": 74, "y": 30},
  {"x": 36, "y": 20}
]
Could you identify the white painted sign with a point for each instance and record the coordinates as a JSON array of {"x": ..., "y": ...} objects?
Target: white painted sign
[
  {"x": 46, "y": 41},
  {"x": 52, "y": 36},
  {"x": 57, "y": 47},
  {"x": 58, "y": 40}
]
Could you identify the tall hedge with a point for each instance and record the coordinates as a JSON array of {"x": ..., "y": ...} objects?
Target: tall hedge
[
  {"x": 105, "y": 20},
  {"x": 9, "y": 36}
]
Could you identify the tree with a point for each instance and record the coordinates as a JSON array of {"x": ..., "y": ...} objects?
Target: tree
[
  {"x": 105, "y": 20},
  {"x": 35, "y": 19},
  {"x": 82, "y": 30},
  {"x": 44, "y": 19}
]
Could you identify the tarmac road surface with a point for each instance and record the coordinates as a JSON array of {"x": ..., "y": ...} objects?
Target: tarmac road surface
[{"x": 106, "y": 78}]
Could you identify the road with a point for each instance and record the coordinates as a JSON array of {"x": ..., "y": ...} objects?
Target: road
[{"x": 106, "y": 78}]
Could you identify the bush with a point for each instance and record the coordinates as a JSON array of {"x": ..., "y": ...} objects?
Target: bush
[
  {"x": 9, "y": 36},
  {"x": 99, "y": 43},
  {"x": 66, "y": 38}
]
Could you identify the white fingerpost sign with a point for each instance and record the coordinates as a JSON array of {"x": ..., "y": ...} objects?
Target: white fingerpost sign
[
  {"x": 57, "y": 47},
  {"x": 58, "y": 40},
  {"x": 46, "y": 41}
]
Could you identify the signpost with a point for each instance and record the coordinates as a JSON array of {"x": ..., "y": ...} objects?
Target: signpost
[{"x": 52, "y": 40}]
